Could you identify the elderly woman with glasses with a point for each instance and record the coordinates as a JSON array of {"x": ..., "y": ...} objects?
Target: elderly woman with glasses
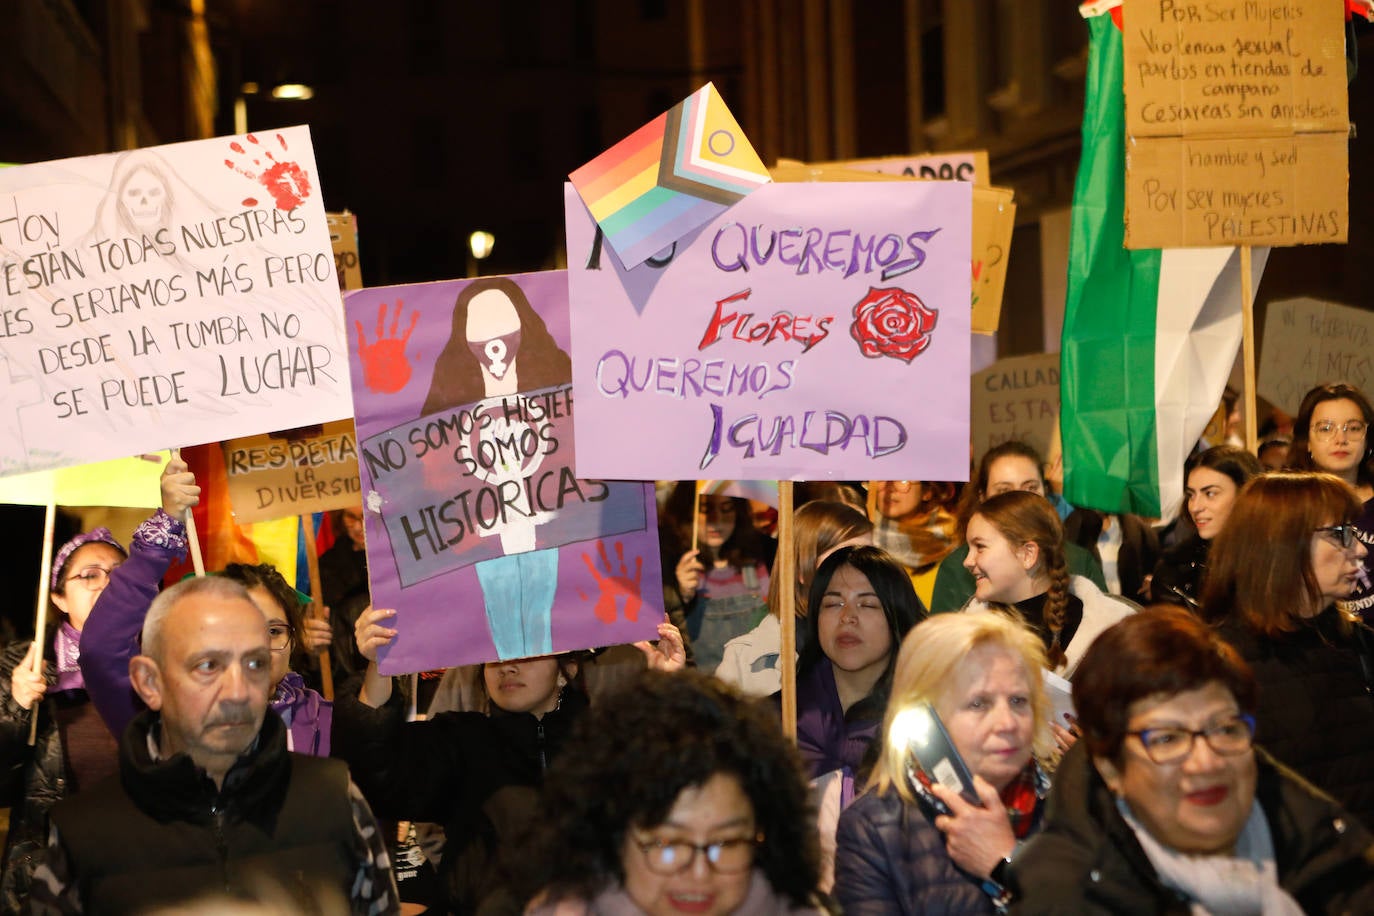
[
  {"x": 72, "y": 747},
  {"x": 1165, "y": 805},
  {"x": 674, "y": 795},
  {"x": 1276, "y": 573},
  {"x": 1331, "y": 434}
]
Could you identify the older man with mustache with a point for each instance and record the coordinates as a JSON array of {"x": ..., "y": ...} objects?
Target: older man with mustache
[{"x": 208, "y": 799}]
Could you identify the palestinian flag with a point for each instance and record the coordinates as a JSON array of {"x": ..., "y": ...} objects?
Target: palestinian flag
[{"x": 1149, "y": 335}]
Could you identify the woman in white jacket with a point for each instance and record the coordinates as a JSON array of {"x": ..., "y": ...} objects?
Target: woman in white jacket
[{"x": 1016, "y": 557}]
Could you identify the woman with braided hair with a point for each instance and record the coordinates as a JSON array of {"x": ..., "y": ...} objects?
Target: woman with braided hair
[{"x": 1016, "y": 557}]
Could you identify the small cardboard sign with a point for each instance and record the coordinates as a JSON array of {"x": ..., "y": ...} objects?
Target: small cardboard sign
[
  {"x": 1015, "y": 398},
  {"x": 1238, "y": 122},
  {"x": 343, "y": 234},
  {"x": 1308, "y": 342},
  {"x": 276, "y": 475},
  {"x": 971, "y": 165}
]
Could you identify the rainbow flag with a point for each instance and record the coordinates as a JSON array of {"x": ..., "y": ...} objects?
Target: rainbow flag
[{"x": 670, "y": 177}]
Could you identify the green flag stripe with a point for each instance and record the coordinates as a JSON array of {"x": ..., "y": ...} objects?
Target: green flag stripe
[{"x": 1108, "y": 346}]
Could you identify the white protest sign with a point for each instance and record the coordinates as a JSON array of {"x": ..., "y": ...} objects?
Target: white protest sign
[
  {"x": 1307, "y": 343},
  {"x": 166, "y": 296}
]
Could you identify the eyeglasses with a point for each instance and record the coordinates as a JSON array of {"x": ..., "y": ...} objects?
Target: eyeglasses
[
  {"x": 278, "y": 636},
  {"x": 1324, "y": 430},
  {"x": 1172, "y": 745},
  {"x": 726, "y": 857},
  {"x": 93, "y": 577},
  {"x": 1344, "y": 533}
]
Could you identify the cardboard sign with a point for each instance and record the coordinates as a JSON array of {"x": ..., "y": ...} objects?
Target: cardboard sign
[
  {"x": 165, "y": 296},
  {"x": 1016, "y": 398},
  {"x": 994, "y": 220},
  {"x": 1308, "y": 343},
  {"x": 277, "y": 475},
  {"x": 478, "y": 531},
  {"x": 1238, "y": 123},
  {"x": 952, "y": 166},
  {"x": 810, "y": 333},
  {"x": 343, "y": 234}
]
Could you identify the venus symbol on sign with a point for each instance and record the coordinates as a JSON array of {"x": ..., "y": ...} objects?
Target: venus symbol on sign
[{"x": 496, "y": 353}]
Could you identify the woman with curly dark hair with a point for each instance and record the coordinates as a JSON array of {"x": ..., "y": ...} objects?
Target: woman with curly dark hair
[{"x": 674, "y": 795}]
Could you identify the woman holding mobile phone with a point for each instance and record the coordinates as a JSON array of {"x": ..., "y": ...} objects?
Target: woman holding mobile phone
[{"x": 911, "y": 844}]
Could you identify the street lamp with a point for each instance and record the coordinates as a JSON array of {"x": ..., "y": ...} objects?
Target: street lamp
[{"x": 480, "y": 244}]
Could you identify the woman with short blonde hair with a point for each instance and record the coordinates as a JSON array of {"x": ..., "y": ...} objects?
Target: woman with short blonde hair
[{"x": 910, "y": 844}]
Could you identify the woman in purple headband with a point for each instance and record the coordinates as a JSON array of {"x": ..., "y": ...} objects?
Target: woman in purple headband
[{"x": 73, "y": 748}]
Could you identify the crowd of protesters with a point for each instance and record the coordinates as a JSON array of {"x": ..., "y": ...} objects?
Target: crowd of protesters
[{"x": 1003, "y": 703}]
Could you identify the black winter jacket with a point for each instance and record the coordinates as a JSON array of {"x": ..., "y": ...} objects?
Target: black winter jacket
[
  {"x": 1316, "y": 714},
  {"x": 1087, "y": 860},
  {"x": 890, "y": 860},
  {"x": 40, "y": 771},
  {"x": 476, "y": 775}
]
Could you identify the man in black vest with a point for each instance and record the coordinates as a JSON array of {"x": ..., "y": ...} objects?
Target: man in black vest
[{"x": 209, "y": 803}]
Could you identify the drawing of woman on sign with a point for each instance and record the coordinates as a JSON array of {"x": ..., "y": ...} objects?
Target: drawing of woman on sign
[{"x": 499, "y": 346}]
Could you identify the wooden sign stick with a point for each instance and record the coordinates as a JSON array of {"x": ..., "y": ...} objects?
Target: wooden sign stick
[
  {"x": 1247, "y": 298},
  {"x": 785, "y": 569},
  {"x": 312, "y": 561},
  {"x": 40, "y": 622}
]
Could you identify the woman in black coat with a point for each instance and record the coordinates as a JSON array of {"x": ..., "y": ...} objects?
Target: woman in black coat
[{"x": 1286, "y": 556}]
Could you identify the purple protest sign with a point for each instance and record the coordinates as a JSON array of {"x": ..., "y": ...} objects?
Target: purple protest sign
[
  {"x": 478, "y": 532},
  {"x": 813, "y": 331}
]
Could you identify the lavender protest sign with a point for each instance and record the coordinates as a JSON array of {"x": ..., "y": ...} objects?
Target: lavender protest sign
[
  {"x": 812, "y": 331},
  {"x": 478, "y": 532},
  {"x": 166, "y": 296}
]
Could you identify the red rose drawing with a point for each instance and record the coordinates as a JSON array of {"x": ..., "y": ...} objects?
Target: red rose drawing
[{"x": 892, "y": 322}]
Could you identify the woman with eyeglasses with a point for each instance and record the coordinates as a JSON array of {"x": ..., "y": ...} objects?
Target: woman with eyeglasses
[
  {"x": 1166, "y": 805},
  {"x": 73, "y": 748},
  {"x": 1331, "y": 434},
  {"x": 674, "y": 795},
  {"x": 1287, "y": 555}
]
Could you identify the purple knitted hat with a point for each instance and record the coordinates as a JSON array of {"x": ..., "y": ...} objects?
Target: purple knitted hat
[{"x": 65, "y": 552}]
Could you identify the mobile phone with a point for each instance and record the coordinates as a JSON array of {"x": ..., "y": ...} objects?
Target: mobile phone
[{"x": 920, "y": 732}]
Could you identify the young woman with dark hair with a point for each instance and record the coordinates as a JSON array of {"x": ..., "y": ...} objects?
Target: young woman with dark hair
[
  {"x": 1212, "y": 480},
  {"x": 751, "y": 661},
  {"x": 861, "y": 606}
]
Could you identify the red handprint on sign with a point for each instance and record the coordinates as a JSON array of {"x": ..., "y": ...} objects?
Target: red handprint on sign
[
  {"x": 287, "y": 182},
  {"x": 614, "y": 586},
  {"x": 386, "y": 369}
]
